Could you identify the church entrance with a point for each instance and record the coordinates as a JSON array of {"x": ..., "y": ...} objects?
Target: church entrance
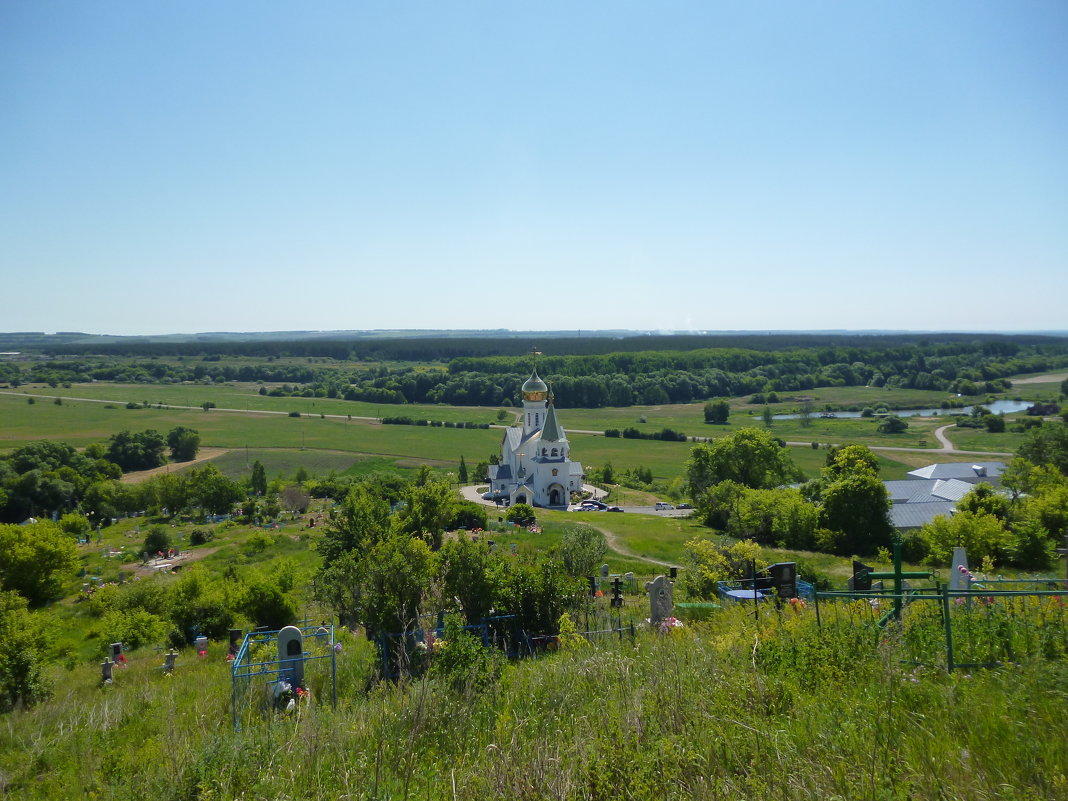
[
  {"x": 520, "y": 498},
  {"x": 557, "y": 495},
  {"x": 554, "y": 498}
]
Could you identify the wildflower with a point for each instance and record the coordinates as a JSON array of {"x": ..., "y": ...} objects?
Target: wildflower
[{"x": 669, "y": 623}]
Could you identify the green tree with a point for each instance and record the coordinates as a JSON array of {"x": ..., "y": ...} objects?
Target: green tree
[
  {"x": 983, "y": 535},
  {"x": 258, "y": 482},
  {"x": 849, "y": 459},
  {"x": 749, "y": 456},
  {"x": 582, "y": 550},
  {"x": 468, "y": 575},
  {"x": 1047, "y": 444},
  {"x": 396, "y": 575},
  {"x": 892, "y": 425},
  {"x": 766, "y": 414},
  {"x": 35, "y": 560},
  {"x": 75, "y": 524},
  {"x": 141, "y": 451},
  {"x": 429, "y": 509},
  {"x": 462, "y": 474},
  {"x": 184, "y": 443},
  {"x": 522, "y": 514},
  {"x": 356, "y": 524},
  {"x": 24, "y": 642},
  {"x": 856, "y": 505},
  {"x": 157, "y": 539},
  {"x": 805, "y": 416},
  {"x": 717, "y": 412},
  {"x": 212, "y": 491}
]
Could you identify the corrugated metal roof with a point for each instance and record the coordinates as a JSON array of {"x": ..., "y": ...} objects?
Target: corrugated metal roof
[
  {"x": 914, "y": 515},
  {"x": 966, "y": 471}
]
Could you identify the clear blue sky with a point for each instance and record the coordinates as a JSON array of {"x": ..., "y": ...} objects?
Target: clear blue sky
[{"x": 251, "y": 166}]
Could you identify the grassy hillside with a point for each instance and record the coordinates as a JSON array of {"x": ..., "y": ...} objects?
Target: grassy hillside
[{"x": 736, "y": 709}]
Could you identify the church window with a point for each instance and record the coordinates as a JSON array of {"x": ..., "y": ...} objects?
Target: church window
[
  {"x": 543, "y": 451},
  {"x": 554, "y": 451},
  {"x": 537, "y": 418}
]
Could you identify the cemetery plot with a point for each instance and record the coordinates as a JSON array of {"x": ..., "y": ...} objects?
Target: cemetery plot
[{"x": 277, "y": 672}]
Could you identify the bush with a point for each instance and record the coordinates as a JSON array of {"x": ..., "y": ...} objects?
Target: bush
[
  {"x": 157, "y": 539},
  {"x": 611, "y": 432},
  {"x": 521, "y": 514},
  {"x": 23, "y": 647},
  {"x": 199, "y": 536},
  {"x": 462, "y": 661}
]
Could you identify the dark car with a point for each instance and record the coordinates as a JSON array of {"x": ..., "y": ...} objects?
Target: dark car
[
  {"x": 614, "y": 509},
  {"x": 684, "y": 506},
  {"x": 592, "y": 504}
]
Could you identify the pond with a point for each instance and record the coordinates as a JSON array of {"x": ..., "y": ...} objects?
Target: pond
[{"x": 997, "y": 407}]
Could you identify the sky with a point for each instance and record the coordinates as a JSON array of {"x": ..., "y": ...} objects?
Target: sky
[{"x": 173, "y": 167}]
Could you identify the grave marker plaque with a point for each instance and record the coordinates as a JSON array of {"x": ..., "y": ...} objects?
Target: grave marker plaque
[
  {"x": 784, "y": 578},
  {"x": 291, "y": 654},
  {"x": 660, "y": 602},
  {"x": 861, "y": 579}
]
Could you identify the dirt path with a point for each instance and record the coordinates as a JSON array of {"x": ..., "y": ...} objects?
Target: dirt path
[
  {"x": 623, "y": 550},
  {"x": 203, "y": 455},
  {"x": 1041, "y": 379},
  {"x": 154, "y": 565}
]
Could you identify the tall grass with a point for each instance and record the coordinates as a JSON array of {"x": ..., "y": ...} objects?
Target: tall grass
[{"x": 740, "y": 708}]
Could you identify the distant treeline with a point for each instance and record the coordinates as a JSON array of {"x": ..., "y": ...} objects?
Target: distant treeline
[
  {"x": 972, "y": 365},
  {"x": 412, "y": 349}
]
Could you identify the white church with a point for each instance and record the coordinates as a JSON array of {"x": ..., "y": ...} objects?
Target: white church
[{"x": 534, "y": 466}]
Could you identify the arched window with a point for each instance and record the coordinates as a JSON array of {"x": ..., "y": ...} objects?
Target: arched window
[
  {"x": 554, "y": 451},
  {"x": 543, "y": 451}
]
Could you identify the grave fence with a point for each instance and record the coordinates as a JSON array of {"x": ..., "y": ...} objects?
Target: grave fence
[
  {"x": 984, "y": 626},
  {"x": 258, "y": 660}
]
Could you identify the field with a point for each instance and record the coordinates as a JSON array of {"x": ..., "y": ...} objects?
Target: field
[{"x": 82, "y": 422}]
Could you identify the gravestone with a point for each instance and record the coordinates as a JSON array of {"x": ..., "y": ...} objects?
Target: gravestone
[
  {"x": 201, "y": 644},
  {"x": 784, "y": 578},
  {"x": 958, "y": 579},
  {"x": 291, "y": 654},
  {"x": 514, "y": 549},
  {"x": 105, "y": 671},
  {"x": 168, "y": 661},
  {"x": 122, "y": 577},
  {"x": 236, "y": 635},
  {"x": 660, "y": 602},
  {"x": 617, "y": 592},
  {"x": 604, "y": 571},
  {"x": 1063, "y": 553},
  {"x": 860, "y": 581},
  {"x": 116, "y": 654}
]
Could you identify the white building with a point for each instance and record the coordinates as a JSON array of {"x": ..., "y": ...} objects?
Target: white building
[{"x": 534, "y": 466}]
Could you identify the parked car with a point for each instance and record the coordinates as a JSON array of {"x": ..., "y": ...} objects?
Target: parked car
[
  {"x": 684, "y": 506},
  {"x": 613, "y": 509},
  {"x": 663, "y": 507},
  {"x": 592, "y": 504}
]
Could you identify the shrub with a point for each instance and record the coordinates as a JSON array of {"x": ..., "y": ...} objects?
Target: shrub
[
  {"x": 462, "y": 661},
  {"x": 521, "y": 514},
  {"x": 199, "y": 536},
  {"x": 611, "y": 432},
  {"x": 157, "y": 539}
]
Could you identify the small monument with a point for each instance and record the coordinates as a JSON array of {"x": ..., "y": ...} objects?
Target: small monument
[
  {"x": 958, "y": 575},
  {"x": 235, "y": 642},
  {"x": 860, "y": 581},
  {"x": 291, "y": 654},
  {"x": 105, "y": 671},
  {"x": 117, "y": 655},
  {"x": 168, "y": 661},
  {"x": 784, "y": 579},
  {"x": 201, "y": 645},
  {"x": 661, "y": 605}
]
